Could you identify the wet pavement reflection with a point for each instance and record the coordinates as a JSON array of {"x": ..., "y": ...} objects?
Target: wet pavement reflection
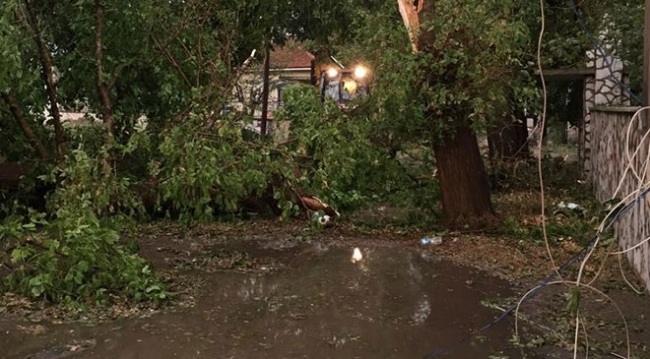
[{"x": 326, "y": 302}]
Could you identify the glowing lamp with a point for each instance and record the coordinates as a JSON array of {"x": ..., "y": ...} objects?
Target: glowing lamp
[
  {"x": 360, "y": 72},
  {"x": 332, "y": 72}
]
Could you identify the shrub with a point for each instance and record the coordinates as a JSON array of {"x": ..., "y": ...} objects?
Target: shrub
[{"x": 74, "y": 257}]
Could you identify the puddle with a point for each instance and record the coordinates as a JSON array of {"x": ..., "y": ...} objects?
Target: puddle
[{"x": 393, "y": 303}]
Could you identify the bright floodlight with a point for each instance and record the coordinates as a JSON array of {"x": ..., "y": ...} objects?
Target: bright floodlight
[
  {"x": 360, "y": 72},
  {"x": 332, "y": 72}
]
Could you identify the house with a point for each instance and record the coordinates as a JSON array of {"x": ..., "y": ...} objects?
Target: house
[{"x": 290, "y": 64}]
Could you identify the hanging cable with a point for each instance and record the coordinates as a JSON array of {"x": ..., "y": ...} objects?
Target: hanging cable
[
  {"x": 548, "y": 279},
  {"x": 642, "y": 191},
  {"x": 603, "y": 53}
]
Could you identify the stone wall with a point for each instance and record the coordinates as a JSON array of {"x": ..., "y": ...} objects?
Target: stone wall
[
  {"x": 584, "y": 128},
  {"x": 601, "y": 89},
  {"x": 608, "y": 160}
]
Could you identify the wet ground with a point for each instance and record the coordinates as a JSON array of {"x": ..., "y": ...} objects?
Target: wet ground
[
  {"x": 304, "y": 300},
  {"x": 265, "y": 290}
]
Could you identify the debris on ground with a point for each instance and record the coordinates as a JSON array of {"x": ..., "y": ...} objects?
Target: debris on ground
[
  {"x": 573, "y": 207},
  {"x": 436, "y": 240}
]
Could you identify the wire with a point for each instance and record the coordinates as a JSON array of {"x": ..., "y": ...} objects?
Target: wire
[
  {"x": 629, "y": 158},
  {"x": 546, "y": 281},
  {"x": 606, "y": 57},
  {"x": 640, "y": 183},
  {"x": 541, "y": 138},
  {"x": 604, "y": 228},
  {"x": 605, "y": 225},
  {"x": 632, "y": 194}
]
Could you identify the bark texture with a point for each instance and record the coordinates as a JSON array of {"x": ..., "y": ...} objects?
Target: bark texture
[
  {"x": 47, "y": 74},
  {"x": 36, "y": 143},
  {"x": 466, "y": 202},
  {"x": 464, "y": 183}
]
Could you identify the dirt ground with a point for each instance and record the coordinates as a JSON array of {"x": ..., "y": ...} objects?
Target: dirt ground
[{"x": 285, "y": 290}]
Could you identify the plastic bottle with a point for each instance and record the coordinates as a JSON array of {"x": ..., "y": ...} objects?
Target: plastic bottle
[{"x": 435, "y": 240}]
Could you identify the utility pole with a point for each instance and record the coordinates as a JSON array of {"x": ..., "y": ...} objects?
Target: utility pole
[
  {"x": 265, "y": 90},
  {"x": 646, "y": 55}
]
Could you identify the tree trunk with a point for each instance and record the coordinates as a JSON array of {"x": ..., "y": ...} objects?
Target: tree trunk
[
  {"x": 265, "y": 92},
  {"x": 103, "y": 89},
  {"x": 24, "y": 125},
  {"x": 464, "y": 183},
  {"x": 47, "y": 74}
]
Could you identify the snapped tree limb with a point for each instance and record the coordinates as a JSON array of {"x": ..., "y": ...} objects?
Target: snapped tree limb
[
  {"x": 410, "y": 10},
  {"x": 14, "y": 106},
  {"x": 46, "y": 72}
]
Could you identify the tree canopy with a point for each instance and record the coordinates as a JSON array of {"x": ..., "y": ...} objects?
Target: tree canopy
[{"x": 153, "y": 79}]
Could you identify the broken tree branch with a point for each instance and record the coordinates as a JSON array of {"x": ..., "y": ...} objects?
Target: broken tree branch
[
  {"x": 409, "y": 9},
  {"x": 116, "y": 74},
  {"x": 37, "y": 243},
  {"x": 36, "y": 143},
  {"x": 172, "y": 61},
  {"x": 103, "y": 88},
  {"x": 231, "y": 84},
  {"x": 46, "y": 73},
  {"x": 32, "y": 241}
]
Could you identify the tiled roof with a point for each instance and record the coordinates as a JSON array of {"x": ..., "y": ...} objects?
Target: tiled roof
[{"x": 285, "y": 57}]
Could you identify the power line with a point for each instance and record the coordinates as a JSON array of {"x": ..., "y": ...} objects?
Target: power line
[
  {"x": 544, "y": 283},
  {"x": 603, "y": 53}
]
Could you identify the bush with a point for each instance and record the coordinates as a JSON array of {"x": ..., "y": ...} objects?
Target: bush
[
  {"x": 73, "y": 253},
  {"x": 202, "y": 175},
  {"x": 344, "y": 158},
  {"x": 74, "y": 257}
]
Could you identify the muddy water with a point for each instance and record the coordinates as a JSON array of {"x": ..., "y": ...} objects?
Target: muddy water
[{"x": 394, "y": 303}]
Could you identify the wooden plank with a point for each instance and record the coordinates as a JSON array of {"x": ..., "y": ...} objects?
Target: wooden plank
[
  {"x": 616, "y": 109},
  {"x": 568, "y": 74}
]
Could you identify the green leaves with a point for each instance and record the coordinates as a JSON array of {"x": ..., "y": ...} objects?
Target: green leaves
[
  {"x": 623, "y": 26},
  {"x": 75, "y": 257},
  {"x": 211, "y": 171},
  {"x": 574, "y": 297},
  {"x": 20, "y": 254},
  {"x": 10, "y": 53},
  {"x": 37, "y": 284}
]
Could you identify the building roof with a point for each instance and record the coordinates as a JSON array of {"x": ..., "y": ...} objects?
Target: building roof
[{"x": 290, "y": 58}]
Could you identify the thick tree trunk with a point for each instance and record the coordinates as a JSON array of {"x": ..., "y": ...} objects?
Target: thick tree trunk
[
  {"x": 24, "y": 125},
  {"x": 464, "y": 183},
  {"x": 466, "y": 201},
  {"x": 102, "y": 86}
]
